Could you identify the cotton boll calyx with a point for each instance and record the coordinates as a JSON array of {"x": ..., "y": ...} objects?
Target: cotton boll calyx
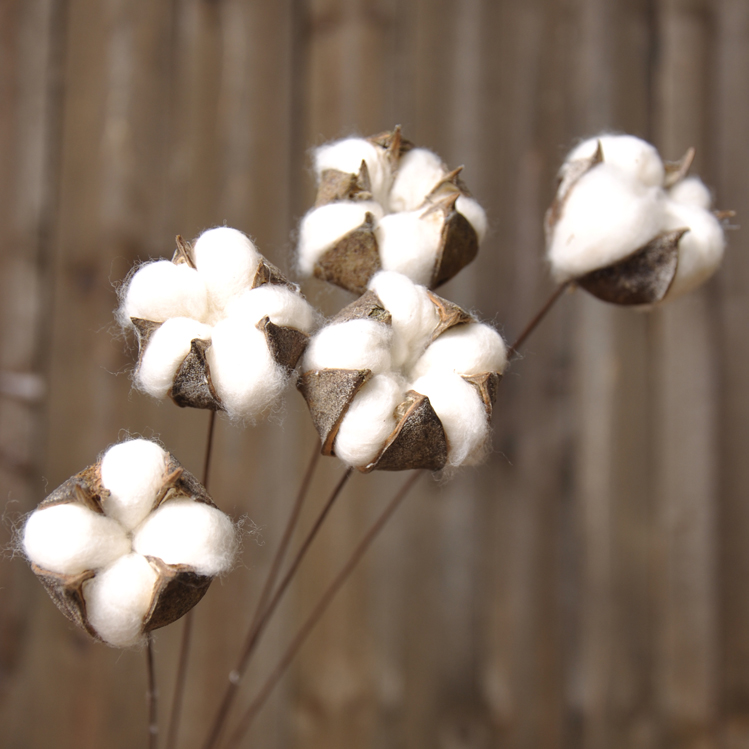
[
  {"x": 166, "y": 350},
  {"x": 118, "y": 599},
  {"x": 133, "y": 473},
  {"x": 475, "y": 214},
  {"x": 160, "y": 290},
  {"x": 183, "y": 531},
  {"x": 70, "y": 538}
]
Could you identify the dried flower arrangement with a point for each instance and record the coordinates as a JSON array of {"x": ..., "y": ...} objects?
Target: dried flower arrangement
[{"x": 400, "y": 379}]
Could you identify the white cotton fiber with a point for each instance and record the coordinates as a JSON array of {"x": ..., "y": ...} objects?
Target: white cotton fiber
[
  {"x": 409, "y": 243},
  {"x": 166, "y": 350},
  {"x": 347, "y": 155},
  {"x": 355, "y": 344},
  {"x": 632, "y": 155},
  {"x": 245, "y": 376},
  {"x": 118, "y": 599},
  {"x": 419, "y": 172},
  {"x": 281, "y": 304},
  {"x": 470, "y": 349},
  {"x": 133, "y": 472},
  {"x": 70, "y": 538},
  {"x": 475, "y": 214},
  {"x": 462, "y": 413},
  {"x": 182, "y": 531},
  {"x": 160, "y": 290},
  {"x": 691, "y": 191},
  {"x": 607, "y": 216},
  {"x": 226, "y": 260},
  {"x": 322, "y": 227},
  {"x": 369, "y": 420},
  {"x": 700, "y": 249},
  {"x": 414, "y": 316}
]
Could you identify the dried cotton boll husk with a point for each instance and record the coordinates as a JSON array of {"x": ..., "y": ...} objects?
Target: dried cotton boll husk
[
  {"x": 356, "y": 344},
  {"x": 468, "y": 349},
  {"x": 118, "y": 599},
  {"x": 700, "y": 249},
  {"x": 182, "y": 531},
  {"x": 691, "y": 191},
  {"x": 409, "y": 243},
  {"x": 166, "y": 350},
  {"x": 369, "y": 421},
  {"x": 606, "y": 217},
  {"x": 347, "y": 155},
  {"x": 160, "y": 290},
  {"x": 322, "y": 227},
  {"x": 133, "y": 472},
  {"x": 462, "y": 413},
  {"x": 227, "y": 260},
  {"x": 475, "y": 214},
  {"x": 419, "y": 171},
  {"x": 282, "y": 305},
  {"x": 70, "y": 538},
  {"x": 632, "y": 155},
  {"x": 243, "y": 372},
  {"x": 414, "y": 316}
]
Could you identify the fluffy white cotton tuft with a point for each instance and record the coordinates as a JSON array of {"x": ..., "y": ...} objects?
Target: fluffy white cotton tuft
[
  {"x": 606, "y": 217},
  {"x": 347, "y": 155},
  {"x": 419, "y": 172},
  {"x": 700, "y": 249},
  {"x": 245, "y": 375},
  {"x": 281, "y": 304},
  {"x": 322, "y": 227},
  {"x": 632, "y": 155},
  {"x": 118, "y": 599},
  {"x": 414, "y": 316},
  {"x": 133, "y": 472},
  {"x": 70, "y": 539},
  {"x": 355, "y": 344},
  {"x": 475, "y": 214},
  {"x": 183, "y": 531},
  {"x": 691, "y": 191},
  {"x": 369, "y": 420},
  {"x": 226, "y": 260},
  {"x": 462, "y": 413},
  {"x": 409, "y": 243},
  {"x": 160, "y": 290},
  {"x": 166, "y": 350},
  {"x": 470, "y": 349}
]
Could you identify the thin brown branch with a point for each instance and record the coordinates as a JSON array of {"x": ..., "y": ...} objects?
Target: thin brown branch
[
  {"x": 512, "y": 352},
  {"x": 152, "y": 696}
]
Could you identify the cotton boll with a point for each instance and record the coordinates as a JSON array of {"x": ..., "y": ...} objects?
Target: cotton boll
[
  {"x": 133, "y": 472},
  {"x": 70, "y": 538},
  {"x": 691, "y": 191},
  {"x": 462, "y": 413},
  {"x": 160, "y": 290},
  {"x": 245, "y": 375},
  {"x": 182, "y": 531},
  {"x": 369, "y": 421},
  {"x": 414, "y": 315},
  {"x": 607, "y": 216},
  {"x": 347, "y": 155},
  {"x": 409, "y": 243},
  {"x": 474, "y": 213},
  {"x": 166, "y": 350},
  {"x": 226, "y": 260},
  {"x": 419, "y": 172},
  {"x": 632, "y": 155},
  {"x": 281, "y": 304},
  {"x": 118, "y": 599},
  {"x": 322, "y": 227},
  {"x": 700, "y": 249},
  {"x": 355, "y": 344},
  {"x": 468, "y": 349}
]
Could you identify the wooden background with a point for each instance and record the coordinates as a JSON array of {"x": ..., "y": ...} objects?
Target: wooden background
[{"x": 588, "y": 587}]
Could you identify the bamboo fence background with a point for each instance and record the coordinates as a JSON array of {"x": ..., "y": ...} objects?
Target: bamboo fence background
[{"x": 589, "y": 585}]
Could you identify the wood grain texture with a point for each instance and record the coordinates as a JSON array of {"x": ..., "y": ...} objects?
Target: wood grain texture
[{"x": 585, "y": 587}]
